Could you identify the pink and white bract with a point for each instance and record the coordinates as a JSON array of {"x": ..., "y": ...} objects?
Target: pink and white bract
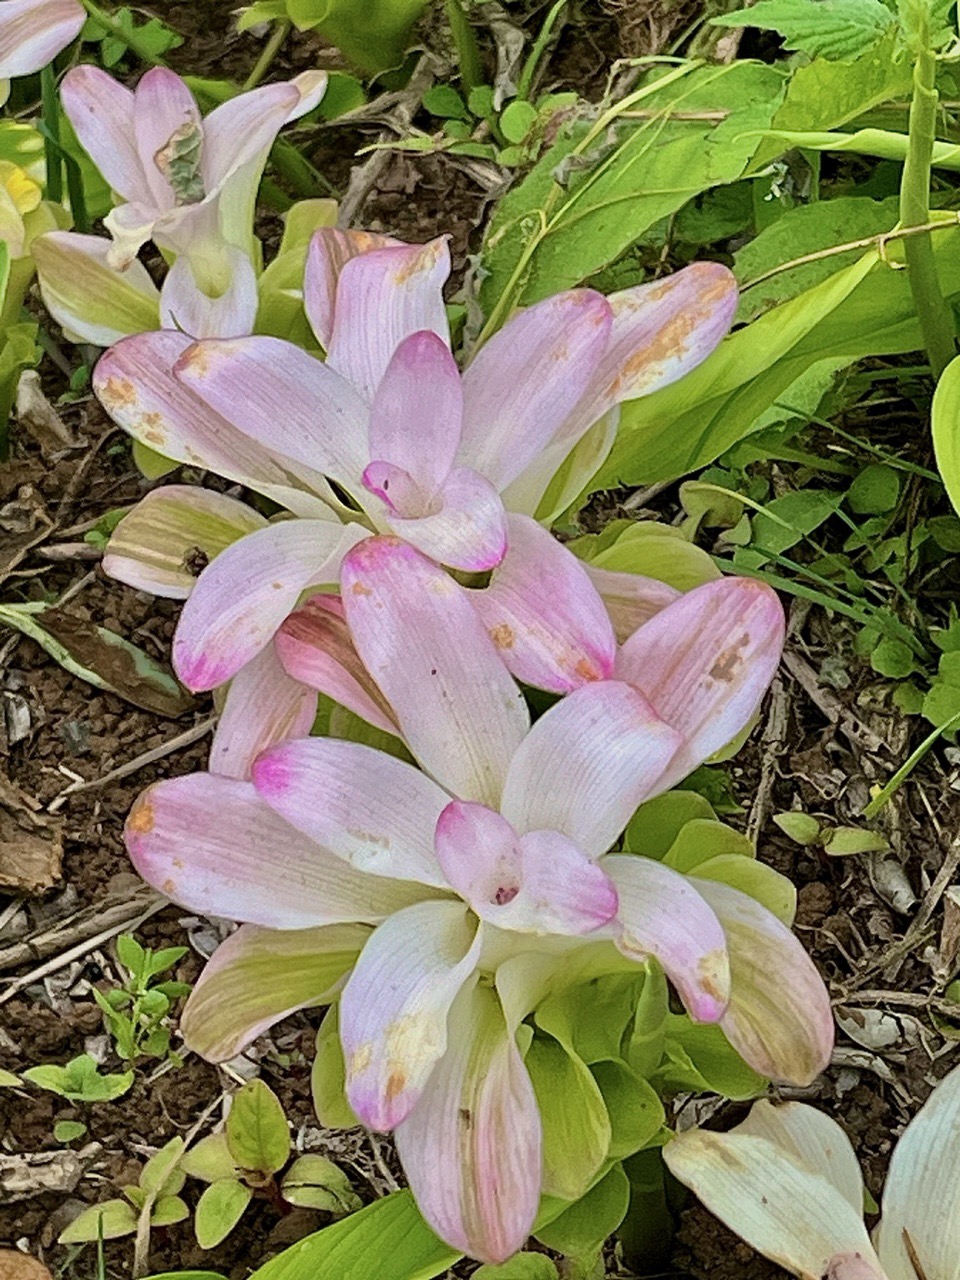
[
  {"x": 494, "y": 851},
  {"x": 788, "y": 1181},
  {"x": 32, "y": 33}
]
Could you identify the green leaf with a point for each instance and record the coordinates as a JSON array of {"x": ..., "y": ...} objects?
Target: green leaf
[
  {"x": 130, "y": 954},
  {"x": 328, "y": 1077},
  {"x": 704, "y": 838},
  {"x": 79, "y": 1080},
  {"x": 443, "y": 100},
  {"x": 517, "y": 119},
  {"x": 524, "y": 1266},
  {"x": 844, "y": 841},
  {"x": 219, "y": 1210},
  {"x": 760, "y": 882},
  {"x": 833, "y": 29},
  {"x": 891, "y": 657},
  {"x": 160, "y": 1173},
  {"x": 168, "y": 1210},
  {"x": 388, "y": 1239},
  {"x": 257, "y": 1132},
  {"x": 9, "y": 1081},
  {"x": 658, "y": 551},
  {"x": 788, "y": 519},
  {"x": 576, "y": 1127},
  {"x": 636, "y": 1112},
  {"x": 107, "y": 1221},
  {"x": 875, "y": 490},
  {"x": 645, "y": 1050},
  {"x": 376, "y": 43},
  {"x": 658, "y": 822},
  {"x": 580, "y": 1231},
  {"x": 945, "y": 423},
  {"x": 209, "y": 1159},
  {"x": 800, "y": 827},
  {"x": 699, "y": 1058},
  {"x": 591, "y": 1018},
  {"x": 68, "y": 1130},
  {"x": 314, "y": 1182}
]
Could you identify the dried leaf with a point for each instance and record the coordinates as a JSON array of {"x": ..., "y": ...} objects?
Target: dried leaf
[
  {"x": 31, "y": 846},
  {"x": 35, "y": 1173}
]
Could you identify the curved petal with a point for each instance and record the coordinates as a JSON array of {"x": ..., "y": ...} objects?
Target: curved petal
[
  {"x": 241, "y": 599},
  {"x": 472, "y": 1147},
  {"x": 260, "y": 976},
  {"x": 101, "y": 112},
  {"x": 419, "y": 637},
  {"x": 538, "y": 883},
  {"x": 315, "y": 647},
  {"x": 393, "y": 1012},
  {"x": 135, "y": 384},
  {"x": 283, "y": 398},
  {"x": 785, "y": 1211},
  {"x": 522, "y": 385},
  {"x": 811, "y": 1138},
  {"x": 213, "y": 846},
  {"x": 130, "y": 225},
  {"x": 329, "y": 251},
  {"x": 779, "y": 1018},
  {"x": 32, "y": 33},
  {"x": 662, "y": 915},
  {"x": 922, "y": 1192},
  {"x": 630, "y": 598},
  {"x": 242, "y": 128},
  {"x": 186, "y": 307},
  {"x": 164, "y": 110},
  {"x": 543, "y": 613},
  {"x": 468, "y": 532},
  {"x": 383, "y": 296},
  {"x": 587, "y": 764},
  {"x": 377, "y": 812},
  {"x": 172, "y": 534},
  {"x": 90, "y": 300},
  {"x": 660, "y": 332},
  {"x": 705, "y": 663},
  {"x": 417, "y": 411},
  {"x": 263, "y": 706}
]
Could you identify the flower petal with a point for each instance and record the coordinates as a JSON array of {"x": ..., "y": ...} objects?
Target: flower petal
[
  {"x": 263, "y": 706},
  {"x": 101, "y": 112},
  {"x": 471, "y": 1148},
  {"x": 811, "y": 1138},
  {"x": 587, "y": 764},
  {"x": 522, "y": 385},
  {"x": 922, "y": 1192},
  {"x": 660, "y": 332},
  {"x": 135, "y": 384},
  {"x": 384, "y": 295},
  {"x": 419, "y": 637},
  {"x": 287, "y": 401},
  {"x": 630, "y": 598},
  {"x": 241, "y": 599},
  {"x": 91, "y": 300},
  {"x": 393, "y": 1012},
  {"x": 329, "y": 252},
  {"x": 539, "y": 883},
  {"x": 787, "y": 1212},
  {"x": 173, "y": 533},
  {"x": 259, "y": 976},
  {"x": 164, "y": 110},
  {"x": 779, "y": 1018},
  {"x": 212, "y": 845},
  {"x": 315, "y": 646},
  {"x": 377, "y": 812},
  {"x": 188, "y": 308},
  {"x": 468, "y": 532},
  {"x": 417, "y": 411},
  {"x": 243, "y": 128},
  {"x": 543, "y": 613},
  {"x": 662, "y": 915},
  {"x": 32, "y": 33},
  {"x": 705, "y": 663}
]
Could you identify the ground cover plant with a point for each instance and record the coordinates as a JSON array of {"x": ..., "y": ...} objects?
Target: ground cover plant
[{"x": 479, "y": 530}]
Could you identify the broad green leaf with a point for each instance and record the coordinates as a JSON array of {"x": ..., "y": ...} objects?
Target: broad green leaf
[
  {"x": 945, "y": 423},
  {"x": 79, "y": 1080},
  {"x": 591, "y": 1018},
  {"x": 800, "y": 827},
  {"x": 219, "y": 1210},
  {"x": 317, "y": 1183},
  {"x": 524, "y": 1266},
  {"x": 879, "y": 143},
  {"x": 580, "y": 1231},
  {"x": 99, "y": 656},
  {"x": 658, "y": 551},
  {"x": 875, "y": 490},
  {"x": 210, "y": 1159},
  {"x": 388, "y": 1239},
  {"x": 835, "y": 29},
  {"x": 658, "y": 822},
  {"x": 517, "y": 119},
  {"x": 376, "y": 43},
  {"x": 328, "y": 1077},
  {"x": 756, "y": 879},
  {"x": 705, "y": 838},
  {"x": 636, "y": 1112},
  {"x": 107, "y": 1221},
  {"x": 848, "y": 840},
  {"x": 302, "y": 220},
  {"x": 256, "y": 1129},
  {"x": 576, "y": 1127},
  {"x": 151, "y": 464},
  {"x": 168, "y": 1210},
  {"x": 786, "y": 521},
  {"x": 160, "y": 1173},
  {"x": 130, "y": 954},
  {"x": 645, "y": 1050},
  {"x": 699, "y": 1058}
]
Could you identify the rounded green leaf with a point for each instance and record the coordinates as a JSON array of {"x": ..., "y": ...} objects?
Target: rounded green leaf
[
  {"x": 168, "y": 1210},
  {"x": 525, "y": 1266},
  {"x": 576, "y": 1127},
  {"x": 210, "y": 1160},
  {"x": 107, "y": 1221},
  {"x": 945, "y": 423},
  {"x": 802, "y": 828},
  {"x": 257, "y": 1132},
  {"x": 313, "y": 1182},
  {"x": 635, "y": 1110},
  {"x": 516, "y": 121},
  {"x": 219, "y": 1210},
  {"x": 847, "y": 840}
]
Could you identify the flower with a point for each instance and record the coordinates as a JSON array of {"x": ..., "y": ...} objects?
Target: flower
[
  {"x": 787, "y": 1180},
  {"x": 32, "y": 33},
  {"x": 480, "y": 874}
]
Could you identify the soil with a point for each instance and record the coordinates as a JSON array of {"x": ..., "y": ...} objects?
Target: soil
[{"x": 822, "y": 746}]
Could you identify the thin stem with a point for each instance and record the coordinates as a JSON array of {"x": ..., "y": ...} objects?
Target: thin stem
[
  {"x": 51, "y": 118},
  {"x": 130, "y": 39},
  {"x": 530, "y": 67},
  {"x": 468, "y": 51},
  {"x": 935, "y": 316},
  {"x": 908, "y": 766},
  {"x": 270, "y": 51}
]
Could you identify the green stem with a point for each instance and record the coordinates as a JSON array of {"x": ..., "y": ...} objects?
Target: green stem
[
  {"x": 270, "y": 51},
  {"x": 131, "y": 40},
  {"x": 530, "y": 66},
  {"x": 51, "y": 118},
  {"x": 935, "y": 316},
  {"x": 468, "y": 51}
]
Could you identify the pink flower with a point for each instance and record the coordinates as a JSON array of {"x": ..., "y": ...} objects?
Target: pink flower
[{"x": 32, "y": 33}]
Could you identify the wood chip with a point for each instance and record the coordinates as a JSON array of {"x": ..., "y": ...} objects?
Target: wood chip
[
  {"x": 37, "y": 1173},
  {"x": 31, "y": 844}
]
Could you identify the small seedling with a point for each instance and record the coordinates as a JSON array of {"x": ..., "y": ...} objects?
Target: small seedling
[
  {"x": 135, "y": 1012},
  {"x": 246, "y": 1157},
  {"x": 80, "y": 1080},
  {"x": 69, "y": 1130},
  {"x": 153, "y": 1202}
]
